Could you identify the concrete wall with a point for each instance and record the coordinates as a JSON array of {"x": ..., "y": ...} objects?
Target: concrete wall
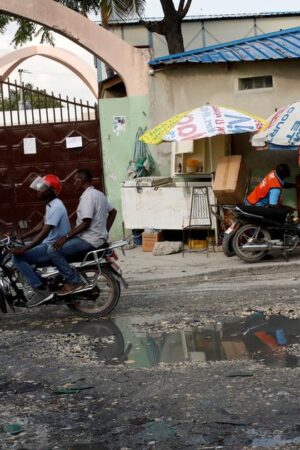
[
  {"x": 183, "y": 87},
  {"x": 118, "y": 147}
]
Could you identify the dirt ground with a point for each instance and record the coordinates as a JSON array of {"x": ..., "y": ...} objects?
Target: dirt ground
[{"x": 73, "y": 384}]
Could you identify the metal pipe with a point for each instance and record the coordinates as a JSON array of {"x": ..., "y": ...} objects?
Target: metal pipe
[{"x": 257, "y": 247}]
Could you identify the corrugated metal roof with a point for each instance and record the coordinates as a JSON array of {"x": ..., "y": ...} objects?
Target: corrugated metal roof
[
  {"x": 134, "y": 19},
  {"x": 283, "y": 44}
]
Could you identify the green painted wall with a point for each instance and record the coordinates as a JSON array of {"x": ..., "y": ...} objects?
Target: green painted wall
[{"x": 117, "y": 146}]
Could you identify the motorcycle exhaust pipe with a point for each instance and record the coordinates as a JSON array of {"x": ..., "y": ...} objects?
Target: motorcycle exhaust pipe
[{"x": 256, "y": 247}]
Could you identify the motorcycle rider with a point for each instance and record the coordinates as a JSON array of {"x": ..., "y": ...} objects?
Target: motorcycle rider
[
  {"x": 269, "y": 191},
  {"x": 95, "y": 217},
  {"x": 56, "y": 224}
]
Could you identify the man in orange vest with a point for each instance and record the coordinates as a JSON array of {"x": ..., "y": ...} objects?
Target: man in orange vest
[{"x": 269, "y": 191}]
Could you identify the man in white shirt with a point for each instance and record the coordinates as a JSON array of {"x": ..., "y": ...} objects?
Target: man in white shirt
[{"x": 95, "y": 217}]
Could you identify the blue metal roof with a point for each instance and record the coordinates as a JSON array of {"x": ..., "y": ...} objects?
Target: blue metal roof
[{"x": 283, "y": 44}]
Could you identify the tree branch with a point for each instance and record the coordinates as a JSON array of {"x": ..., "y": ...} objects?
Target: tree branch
[
  {"x": 155, "y": 27},
  {"x": 168, "y": 7},
  {"x": 181, "y": 5},
  {"x": 186, "y": 8}
]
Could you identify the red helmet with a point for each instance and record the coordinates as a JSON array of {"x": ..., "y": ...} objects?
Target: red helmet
[{"x": 53, "y": 182}]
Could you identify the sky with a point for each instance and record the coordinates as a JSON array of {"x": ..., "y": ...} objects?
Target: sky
[
  {"x": 47, "y": 74},
  {"x": 203, "y": 7}
]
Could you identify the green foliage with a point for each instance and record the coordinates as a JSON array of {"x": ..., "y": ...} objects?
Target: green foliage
[
  {"x": 46, "y": 36},
  {"x": 82, "y": 6},
  {"x": 27, "y": 30},
  {"x": 37, "y": 98},
  {"x": 4, "y": 21}
]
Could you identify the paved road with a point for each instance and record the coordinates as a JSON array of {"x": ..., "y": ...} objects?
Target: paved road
[{"x": 141, "y": 381}]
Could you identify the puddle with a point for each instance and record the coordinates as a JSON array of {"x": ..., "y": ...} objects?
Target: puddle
[
  {"x": 273, "y": 442},
  {"x": 98, "y": 446},
  {"x": 266, "y": 340}
]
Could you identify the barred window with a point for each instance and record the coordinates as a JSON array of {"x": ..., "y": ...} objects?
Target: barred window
[{"x": 255, "y": 83}]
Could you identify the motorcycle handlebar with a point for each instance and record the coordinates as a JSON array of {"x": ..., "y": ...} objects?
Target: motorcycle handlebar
[{"x": 11, "y": 241}]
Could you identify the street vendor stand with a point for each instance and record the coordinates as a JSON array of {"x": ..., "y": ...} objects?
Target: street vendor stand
[{"x": 160, "y": 203}]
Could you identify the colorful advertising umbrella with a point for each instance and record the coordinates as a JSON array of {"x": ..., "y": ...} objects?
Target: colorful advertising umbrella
[
  {"x": 281, "y": 131},
  {"x": 202, "y": 122}
]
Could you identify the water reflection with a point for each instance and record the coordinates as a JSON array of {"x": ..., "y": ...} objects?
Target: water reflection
[
  {"x": 257, "y": 337},
  {"x": 88, "y": 447},
  {"x": 274, "y": 442}
]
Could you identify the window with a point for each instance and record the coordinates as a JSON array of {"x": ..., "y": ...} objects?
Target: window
[{"x": 255, "y": 83}]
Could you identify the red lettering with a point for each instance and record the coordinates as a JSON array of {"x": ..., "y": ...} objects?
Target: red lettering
[
  {"x": 187, "y": 130},
  {"x": 194, "y": 136},
  {"x": 186, "y": 119}
]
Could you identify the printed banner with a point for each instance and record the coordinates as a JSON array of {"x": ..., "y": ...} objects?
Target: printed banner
[
  {"x": 282, "y": 129},
  {"x": 207, "y": 121}
]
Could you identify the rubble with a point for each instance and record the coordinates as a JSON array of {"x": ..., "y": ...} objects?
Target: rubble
[{"x": 167, "y": 248}]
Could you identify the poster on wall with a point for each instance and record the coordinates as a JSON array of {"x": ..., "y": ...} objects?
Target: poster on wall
[
  {"x": 74, "y": 142},
  {"x": 29, "y": 146},
  {"x": 119, "y": 124}
]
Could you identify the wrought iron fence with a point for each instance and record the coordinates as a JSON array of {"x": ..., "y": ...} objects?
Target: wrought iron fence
[{"x": 21, "y": 105}]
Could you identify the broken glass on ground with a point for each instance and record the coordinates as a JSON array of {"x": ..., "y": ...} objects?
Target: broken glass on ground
[{"x": 13, "y": 428}]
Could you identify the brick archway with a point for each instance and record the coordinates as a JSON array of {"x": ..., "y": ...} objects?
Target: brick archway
[
  {"x": 85, "y": 72},
  {"x": 129, "y": 62}
]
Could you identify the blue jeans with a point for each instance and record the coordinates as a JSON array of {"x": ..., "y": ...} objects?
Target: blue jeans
[
  {"x": 37, "y": 256},
  {"x": 58, "y": 257}
]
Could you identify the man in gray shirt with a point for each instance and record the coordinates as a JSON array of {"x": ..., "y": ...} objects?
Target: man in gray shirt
[{"x": 95, "y": 217}]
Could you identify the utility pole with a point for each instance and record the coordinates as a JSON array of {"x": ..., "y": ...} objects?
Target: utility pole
[{"x": 21, "y": 101}]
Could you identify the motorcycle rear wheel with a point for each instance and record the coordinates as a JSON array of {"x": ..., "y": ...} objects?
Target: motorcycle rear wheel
[
  {"x": 243, "y": 236},
  {"x": 102, "y": 299}
]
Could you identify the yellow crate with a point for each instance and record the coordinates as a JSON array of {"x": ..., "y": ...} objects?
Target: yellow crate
[{"x": 197, "y": 244}]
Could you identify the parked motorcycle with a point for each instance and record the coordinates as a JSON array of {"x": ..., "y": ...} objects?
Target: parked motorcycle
[
  {"x": 257, "y": 230},
  {"x": 97, "y": 268}
]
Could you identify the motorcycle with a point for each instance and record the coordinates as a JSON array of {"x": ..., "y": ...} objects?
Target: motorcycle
[
  {"x": 98, "y": 269},
  {"x": 257, "y": 230}
]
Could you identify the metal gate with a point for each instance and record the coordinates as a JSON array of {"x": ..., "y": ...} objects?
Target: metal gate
[{"x": 54, "y": 135}]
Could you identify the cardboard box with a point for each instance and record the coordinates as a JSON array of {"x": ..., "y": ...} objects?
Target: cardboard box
[
  {"x": 234, "y": 349},
  {"x": 149, "y": 240},
  {"x": 231, "y": 180}
]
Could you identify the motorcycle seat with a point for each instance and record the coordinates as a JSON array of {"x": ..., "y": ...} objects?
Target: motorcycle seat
[
  {"x": 269, "y": 213},
  {"x": 78, "y": 257}
]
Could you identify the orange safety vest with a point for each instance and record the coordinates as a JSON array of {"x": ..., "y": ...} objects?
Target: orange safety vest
[{"x": 271, "y": 181}]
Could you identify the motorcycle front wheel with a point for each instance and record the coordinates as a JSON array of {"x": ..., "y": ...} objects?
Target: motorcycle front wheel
[
  {"x": 247, "y": 234},
  {"x": 227, "y": 244},
  {"x": 102, "y": 299}
]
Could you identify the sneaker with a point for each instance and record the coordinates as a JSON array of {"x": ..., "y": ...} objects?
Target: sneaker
[
  {"x": 70, "y": 288},
  {"x": 39, "y": 297}
]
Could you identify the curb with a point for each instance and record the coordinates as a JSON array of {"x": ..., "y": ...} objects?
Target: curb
[{"x": 215, "y": 274}]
